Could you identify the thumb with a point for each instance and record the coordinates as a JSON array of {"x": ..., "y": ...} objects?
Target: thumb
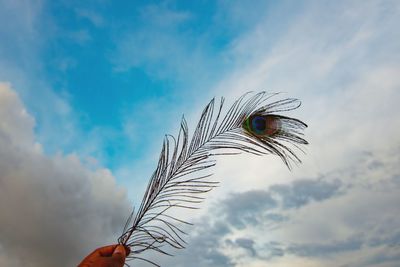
[{"x": 119, "y": 255}]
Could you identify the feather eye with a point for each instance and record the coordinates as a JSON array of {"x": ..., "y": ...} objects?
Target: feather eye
[
  {"x": 181, "y": 176},
  {"x": 262, "y": 125}
]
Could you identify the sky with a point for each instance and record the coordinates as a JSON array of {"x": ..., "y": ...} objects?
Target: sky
[{"x": 88, "y": 90}]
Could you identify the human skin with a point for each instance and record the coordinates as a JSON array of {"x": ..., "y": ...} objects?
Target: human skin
[{"x": 108, "y": 256}]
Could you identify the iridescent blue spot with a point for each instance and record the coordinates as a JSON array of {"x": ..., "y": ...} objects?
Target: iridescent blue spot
[{"x": 259, "y": 124}]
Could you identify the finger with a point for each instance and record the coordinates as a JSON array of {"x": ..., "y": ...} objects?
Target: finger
[
  {"x": 94, "y": 255},
  {"x": 106, "y": 251},
  {"x": 119, "y": 255}
]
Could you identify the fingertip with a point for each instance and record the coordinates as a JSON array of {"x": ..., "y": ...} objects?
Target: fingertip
[
  {"x": 120, "y": 249},
  {"x": 107, "y": 251},
  {"x": 119, "y": 252}
]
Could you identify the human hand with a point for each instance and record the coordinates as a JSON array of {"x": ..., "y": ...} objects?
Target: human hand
[{"x": 108, "y": 256}]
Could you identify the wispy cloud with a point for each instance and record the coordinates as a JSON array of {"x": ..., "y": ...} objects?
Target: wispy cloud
[
  {"x": 171, "y": 42},
  {"x": 95, "y": 18},
  {"x": 342, "y": 62}
]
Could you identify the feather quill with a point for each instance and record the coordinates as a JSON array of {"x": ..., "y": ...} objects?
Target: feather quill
[{"x": 180, "y": 176}]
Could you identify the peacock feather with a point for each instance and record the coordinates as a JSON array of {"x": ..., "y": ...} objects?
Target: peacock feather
[{"x": 250, "y": 125}]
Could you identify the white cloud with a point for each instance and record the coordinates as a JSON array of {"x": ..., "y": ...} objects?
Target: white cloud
[
  {"x": 347, "y": 221},
  {"x": 341, "y": 64},
  {"x": 21, "y": 63},
  {"x": 54, "y": 210},
  {"x": 342, "y": 61}
]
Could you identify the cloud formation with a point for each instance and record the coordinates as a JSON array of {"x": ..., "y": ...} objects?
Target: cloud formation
[
  {"x": 322, "y": 221},
  {"x": 54, "y": 209},
  {"x": 341, "y": 207}
]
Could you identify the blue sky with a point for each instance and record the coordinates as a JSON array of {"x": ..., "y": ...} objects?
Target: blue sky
[
  {"x": 105, "y": 62},
  {"x": 88, "y": 90},
  {"x": 93, "y": 73}
]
